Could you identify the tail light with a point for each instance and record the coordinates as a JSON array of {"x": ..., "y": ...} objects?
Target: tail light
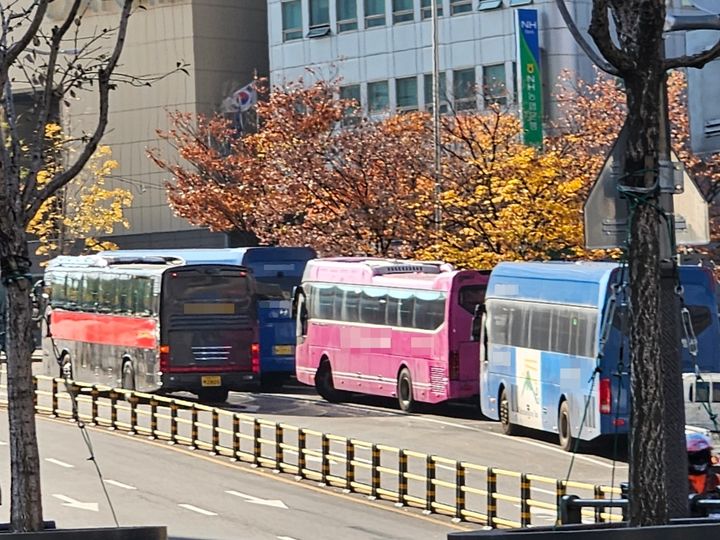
[
  {"x": 605, "y": 396},
  {"x": 164, "y": 357},
  {"x": 255, "y": 357},
  {"x": 454, "y": 365}
]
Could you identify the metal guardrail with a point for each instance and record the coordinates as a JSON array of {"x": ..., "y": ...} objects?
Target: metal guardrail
[{"x": 465, "y": 491}]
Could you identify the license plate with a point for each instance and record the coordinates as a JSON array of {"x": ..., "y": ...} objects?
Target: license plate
[
  {"x": 211, "y": 380},
  {"x": 282, "y": 350}
]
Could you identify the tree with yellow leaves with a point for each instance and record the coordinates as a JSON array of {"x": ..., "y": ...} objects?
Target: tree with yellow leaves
[
  {"x": 84, "y": 209},
  {"x": 502, "y": 200}
]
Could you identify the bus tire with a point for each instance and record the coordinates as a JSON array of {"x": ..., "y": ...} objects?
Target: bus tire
[
  {"x": 128, "y": 376},
  {"x": 565, "y": 438},
  {"x": 213, "y": 395},
  {"x": 324, "y": 383},
  {"x": 405, "y": 396},
  {"x": 508, "y": 428}
]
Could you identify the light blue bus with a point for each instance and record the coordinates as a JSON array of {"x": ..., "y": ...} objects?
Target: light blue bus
[
  {"x": 543, "y": 325},
  {"x": 277, "y": 270}
]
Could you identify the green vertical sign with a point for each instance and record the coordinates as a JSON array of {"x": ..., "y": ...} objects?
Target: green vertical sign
[{"x": 529, "y": 81}]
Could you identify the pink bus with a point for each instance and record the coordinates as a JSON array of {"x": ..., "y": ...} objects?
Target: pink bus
[{"x": 388, "y": 327}]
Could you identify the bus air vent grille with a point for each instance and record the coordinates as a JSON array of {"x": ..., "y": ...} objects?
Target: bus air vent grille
[
  {"x": 406, "y": 269},
  {"x": 437, "y": 379}
]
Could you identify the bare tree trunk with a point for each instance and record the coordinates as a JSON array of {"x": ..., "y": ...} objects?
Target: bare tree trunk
[{"x": 26, "y": 502}]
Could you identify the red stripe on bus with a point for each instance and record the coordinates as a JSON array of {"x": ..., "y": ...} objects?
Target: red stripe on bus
[{"x": 104, "y": 329}]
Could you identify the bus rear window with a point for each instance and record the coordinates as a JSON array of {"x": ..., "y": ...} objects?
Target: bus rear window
[
  {"x": 204, "y": 288},
  {"x": 471, "y": 296}
]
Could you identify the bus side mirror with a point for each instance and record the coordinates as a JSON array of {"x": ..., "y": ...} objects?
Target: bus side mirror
[{"x": 477, "y": 322}]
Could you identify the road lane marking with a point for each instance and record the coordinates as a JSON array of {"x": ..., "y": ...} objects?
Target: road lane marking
[
  {"x": 72, "y": 503},
  {"x": 3, "y": 443},
  {"x": 617, "y": 465},
  {"x": 119, "y": 484},
  {"x": 285, "y": 538},
  {"x": 241, "y": 467},
  {"x": 58, "y": 462},
  {"x": 276, "y": 503},
  {"x": 196, "y": 509}
]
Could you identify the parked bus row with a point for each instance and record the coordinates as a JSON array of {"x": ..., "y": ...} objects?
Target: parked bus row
[{"x": 522, "y": 341}]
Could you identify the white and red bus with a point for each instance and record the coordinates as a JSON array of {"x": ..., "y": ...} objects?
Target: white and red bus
[
  {"x": 388, "y": 327},
  {"x": 152, "y": 323}
]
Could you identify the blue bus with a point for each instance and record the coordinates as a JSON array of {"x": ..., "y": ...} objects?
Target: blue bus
[
  {"x": 277, "y": 270},
  {"x": 540, "y": 338}
]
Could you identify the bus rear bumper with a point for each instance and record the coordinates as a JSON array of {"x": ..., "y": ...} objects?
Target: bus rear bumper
[{"x": 198, "y": 381}]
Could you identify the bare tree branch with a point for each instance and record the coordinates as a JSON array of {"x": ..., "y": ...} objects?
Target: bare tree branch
[
  {"x": 7, "y": 58},
  {"x": 580, "y": 39},
  {"x": 600, "y": 32},
  {"x": 694, "y": 61},
  {"x": 33, "y": 204}
]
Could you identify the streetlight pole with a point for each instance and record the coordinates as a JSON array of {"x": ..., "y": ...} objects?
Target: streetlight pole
[{"x": 436, "y": 111}]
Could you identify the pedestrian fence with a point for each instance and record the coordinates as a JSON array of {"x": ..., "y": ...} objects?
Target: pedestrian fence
[{"x": 494, "y": 497}]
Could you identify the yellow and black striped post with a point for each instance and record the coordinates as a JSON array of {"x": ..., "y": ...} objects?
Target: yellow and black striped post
[
  {"x": 236, "y": 437},
  {"x": 491, "y": 502},
  {"x": 279, "y": 454},
  {"x": 374, "y": 471},
  {"x": 153, "y": 419},
  {"x": 35, "y": 392},
  {"x": 599, "y": 511},
  {"x": 429, "y": 484},
  {"x": 257, "y": 445},
  {"x": 54, "y": 397},
  {"x": 113, "y": 409},
  {"x": 215, "y": 432},
  {"x": 525, "y": 495},
  {"x": 173, "y": 422},
  {"x": 193, "y": 427},
  {"x": 324, "y": 458},
  {"x": 349, "y": 465},
  {"x": 560, "y": 491},
  {"x": 133, "y": 414},
  {"x": 94, "y": 395},
  {"x": 302, "y": 459},
  {"x": 459, "y": 491},
  {"x": 402, "y": 476}
]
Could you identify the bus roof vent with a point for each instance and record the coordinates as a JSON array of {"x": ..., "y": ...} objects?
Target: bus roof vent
[
  {"x": 141, "y": 259},
  {"x": 409, "y": 267}
]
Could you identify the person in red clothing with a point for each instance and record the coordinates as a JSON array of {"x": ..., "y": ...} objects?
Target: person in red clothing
[{"x": 701, "y": 477}]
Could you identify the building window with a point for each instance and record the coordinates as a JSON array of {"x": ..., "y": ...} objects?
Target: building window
[
  {"x": 406, "y": 94},
  {"x": 460, "y": 6},
  {"x": 426, "y": 9},
  {"x": 464, "y": 89},
  {"x": 428, "y": 89},
  {"x": 291, "y": 20},
  {"x": 346, "y": 15},
  {"x": 494, "y": 84},
  {"x": 403, "y": 11},
  {"x": 352, "y": 113},
  {"x": 378, "y": 96},
  {"x": 374, "y": 13},
  {"x": 319, "y": 18},
  {"x": 489, "y": 4}
]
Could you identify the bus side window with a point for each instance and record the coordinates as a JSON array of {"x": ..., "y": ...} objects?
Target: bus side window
[
  {"x": 108, "y": 292},
  {"x": 351, "y": 305},
  {"x": 561, "y": 330},
  {"x": 122, "y": 305},
  {"x": 91, "y": 292},
  {"x": 300, "y": 310},
  {"x": 518, "y": 324}
]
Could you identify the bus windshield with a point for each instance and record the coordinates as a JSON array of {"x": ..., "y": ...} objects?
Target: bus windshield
[{"x": 213, "y": 286}]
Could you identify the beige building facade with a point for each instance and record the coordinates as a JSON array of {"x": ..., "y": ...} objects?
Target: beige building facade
[{"x": 222, "y": 42}]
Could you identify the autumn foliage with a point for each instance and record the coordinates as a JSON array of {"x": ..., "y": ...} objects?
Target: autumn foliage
[{"x": 316, "y": 173}]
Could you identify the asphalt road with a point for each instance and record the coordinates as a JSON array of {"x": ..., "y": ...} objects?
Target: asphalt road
[
  {"x": 450, "y": 431},
  {"x": 197, "y": 495}
]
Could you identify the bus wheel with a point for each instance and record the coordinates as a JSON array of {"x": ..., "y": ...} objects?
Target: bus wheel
[
  {"x": 405, "y": 391},
  {"x": 508, "y": 428},
  {"x": 128, "y": 376},
  {"x": 213, "y": 395},
  {"x": 324, "y": 383},
  {"x": 565, "y": 437}
]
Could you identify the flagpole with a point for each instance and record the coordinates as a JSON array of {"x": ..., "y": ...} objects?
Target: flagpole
[{"x": 436, "y": 110}]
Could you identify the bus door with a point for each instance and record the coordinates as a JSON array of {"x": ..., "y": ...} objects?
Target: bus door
[
  {"x": 208, "y": 322},
  {"x": 464, "y": 348}
]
